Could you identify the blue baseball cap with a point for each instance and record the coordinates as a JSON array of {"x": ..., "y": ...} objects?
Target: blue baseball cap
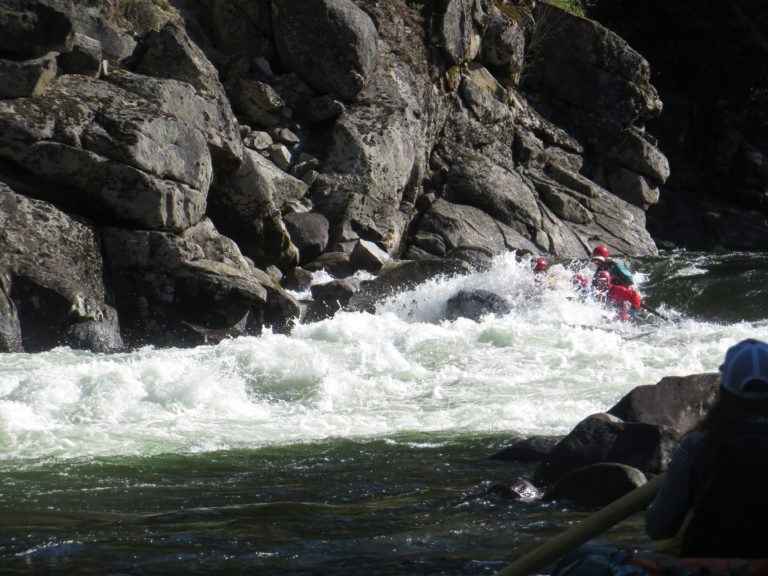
[{"x": 745, "y": 362}]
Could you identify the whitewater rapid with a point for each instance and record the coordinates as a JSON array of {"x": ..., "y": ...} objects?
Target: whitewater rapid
[{"x": 538, "y": 370}]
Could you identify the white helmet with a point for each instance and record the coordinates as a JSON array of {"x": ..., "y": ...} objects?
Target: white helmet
[{"x": 744, "y": 363}]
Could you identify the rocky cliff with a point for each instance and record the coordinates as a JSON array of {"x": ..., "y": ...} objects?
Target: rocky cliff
[{"x": 165, "y": 167}]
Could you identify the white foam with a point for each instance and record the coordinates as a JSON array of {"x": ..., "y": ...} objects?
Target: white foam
[{"x": 540, "y": 369}]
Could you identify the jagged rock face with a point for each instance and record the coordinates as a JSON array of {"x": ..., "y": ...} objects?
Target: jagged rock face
[
  {"x": 378, "y": 147},
  {"x": 188, "y": 289},
  {"x": 171, "y": 54},
  {"x": 460, "y": 28},
  {"x": 120, "y": 158},
  {"x": 247, "y": 209},
  {"x": 421, "y": 131}
]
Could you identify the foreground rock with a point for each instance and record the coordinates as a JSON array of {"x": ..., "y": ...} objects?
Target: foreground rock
[
  {"x": 604, "y": 438},
  {"x": 597, "y": 484},
  {"x": 606, "y": 454}
]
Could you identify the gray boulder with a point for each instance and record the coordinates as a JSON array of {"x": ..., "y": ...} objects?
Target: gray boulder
[
  {"x": 256, "y": 101},
  {"x": 526, "y": 450},
  {"x": 377, "y": 149},
  {"x": 120, "y": 158},
  {"x": 246, "y": 208},
  {"x": 475, "y": 180},
  {"x": 211, "y": 115},
  {"x": 10, "y": 330},
  {"x": 503, "y": 44},
  {"x": 677, "y": 402},
  {"x": 33, "y": 28},
  {"x": 474, "y": 304},
  {"x": 85, "y": 57},
  {"x": 330, "y": 44},
  {"x": 51, "y": 279},
  {"x": 460, "y": 225},
  {"x": 191, "y": 288},
  {"x": 170, "y": 53},
  {"x": 368, "y": 256},
  {"x": 520, "y": 490},
  {"x": 335, "y": 263},
  {"x": 328, "y": 299},
  {"x": 460, "y": 28},
  {"x": 479, "y": 257},
  {"x": 28, "y": 77},
  {"x": 308, "y": 232},
  {"x": 404, "y": 276}
]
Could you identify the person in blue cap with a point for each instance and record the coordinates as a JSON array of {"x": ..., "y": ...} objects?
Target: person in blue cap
[{"x": 714, "y": 499}]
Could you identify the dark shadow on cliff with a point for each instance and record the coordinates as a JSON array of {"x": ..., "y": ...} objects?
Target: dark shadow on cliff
[{"x": 709, "y": 61}]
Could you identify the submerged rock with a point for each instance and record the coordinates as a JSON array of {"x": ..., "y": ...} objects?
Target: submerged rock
[{"x": 474, "y": 304}]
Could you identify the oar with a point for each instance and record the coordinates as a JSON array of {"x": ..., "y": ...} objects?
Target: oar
[
  {"x": 588, "y": 528},
  {"x": 654, "y": 311}
]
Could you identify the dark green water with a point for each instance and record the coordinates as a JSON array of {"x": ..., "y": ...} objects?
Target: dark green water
[
  {"x": 723, "y": 288},
  {"x": 406, "y": 506}
]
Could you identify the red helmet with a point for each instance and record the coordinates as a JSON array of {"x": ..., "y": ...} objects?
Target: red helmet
[
  {"x": 603, "y": 276},
  {"x": 600, "y": 251},
  {"x": 579, "y": 281},
  {"x": 540, "y": 265}
]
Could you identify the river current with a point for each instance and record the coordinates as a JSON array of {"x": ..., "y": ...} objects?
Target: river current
[{"x": 355, "y": 445}]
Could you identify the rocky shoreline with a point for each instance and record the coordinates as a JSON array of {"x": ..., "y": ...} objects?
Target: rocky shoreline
[
  {"x": 611, "y": 453},
  {"x": 166, "y": 171}
]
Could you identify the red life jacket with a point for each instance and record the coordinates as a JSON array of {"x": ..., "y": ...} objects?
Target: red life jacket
[{"x": 618, "y": 295}]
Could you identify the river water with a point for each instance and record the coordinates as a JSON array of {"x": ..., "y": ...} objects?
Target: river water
[{"x": 355, "y": 445}]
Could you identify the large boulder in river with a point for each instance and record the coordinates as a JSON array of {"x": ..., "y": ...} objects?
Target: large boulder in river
[
  {"x": 309, "y": 233},
  {"x": 52, "y": 291},
  {"x": 641, "y": 430},
  {"x": 604, "y": 438},
  {"x": 474, "y": 304},
  {"x": 330, "y": 44},
  {"x": 678, "y": 402}
]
